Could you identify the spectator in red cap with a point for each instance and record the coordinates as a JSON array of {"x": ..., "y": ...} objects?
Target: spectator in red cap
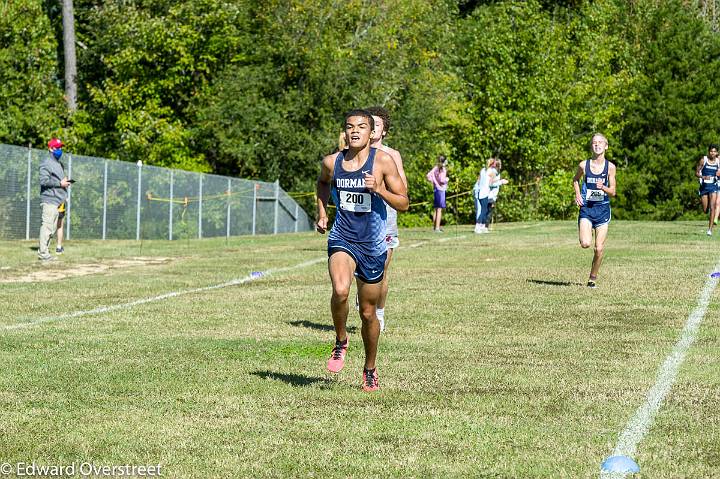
[{"x": 53, "y": 193}]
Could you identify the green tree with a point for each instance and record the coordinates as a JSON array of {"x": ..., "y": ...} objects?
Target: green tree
[
  {"x": 541, "y": 80},
  {"x": 674, "y": 115},
  {"x": 278, "y": 107},
  {"x": 146, "y": 63},
  {"x": 258, "y": 89},
  {"x": 31, "y": 99}
]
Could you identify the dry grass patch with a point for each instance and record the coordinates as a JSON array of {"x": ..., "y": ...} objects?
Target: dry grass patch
[{"x": 56, "y": 271}]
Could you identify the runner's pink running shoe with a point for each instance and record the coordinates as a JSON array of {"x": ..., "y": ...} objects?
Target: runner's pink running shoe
[
  {"x": 337, "y": 357},
  {"x": 370, "y": 380}
]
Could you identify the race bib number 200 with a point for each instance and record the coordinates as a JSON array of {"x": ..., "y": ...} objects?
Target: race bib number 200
[{"x": 356, "y": 202}]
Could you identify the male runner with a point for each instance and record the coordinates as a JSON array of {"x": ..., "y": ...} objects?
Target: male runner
[
  {"x": 707, "y": 172},
  {"x": 593, "y": 198},
  {"x": 361, "y": 180},
  {"x": 382, "y": 125}
]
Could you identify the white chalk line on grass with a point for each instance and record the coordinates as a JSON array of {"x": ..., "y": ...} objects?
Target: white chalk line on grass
[
  {"x": 640, "y": 423},
  {"x": 115, "y": 307},
  {"x": 173, "y": 294}
]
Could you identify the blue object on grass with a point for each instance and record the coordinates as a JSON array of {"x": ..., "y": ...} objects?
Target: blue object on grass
[
  {"x": 256, "y": 274},
  {"x": 622, "y": 464},
  {"x": 716, "y": 274}
]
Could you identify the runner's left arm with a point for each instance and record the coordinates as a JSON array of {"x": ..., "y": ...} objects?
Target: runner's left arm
[
  {"x": 610, "y": 189},
  {"x": 391, "y": 187}
]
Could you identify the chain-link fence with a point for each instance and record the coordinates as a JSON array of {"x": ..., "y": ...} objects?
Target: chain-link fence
[{"x": 119, "y": 200}]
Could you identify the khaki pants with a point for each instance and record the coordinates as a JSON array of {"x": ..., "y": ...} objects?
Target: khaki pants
[{"x": 48, "y": 228}]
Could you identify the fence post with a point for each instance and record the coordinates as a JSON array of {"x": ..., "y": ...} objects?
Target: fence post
[
  {"x": 229, "y": 196},
  {"x": 139, "y": 195},
  {"x": 297, "y": 213},
  {"x": 170, "y": 224},
  {"x": 277, "y": 204},
  {"x": 68, "y": 203},
  {"x": 105, "y": 176},
  {"x": 200, "y": 209},
  {"x": 255, "y": 188},
  {"x": 27, "y": 206}
]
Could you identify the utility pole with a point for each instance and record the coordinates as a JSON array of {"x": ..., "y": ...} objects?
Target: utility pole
[{"x": 70, "y": 57}]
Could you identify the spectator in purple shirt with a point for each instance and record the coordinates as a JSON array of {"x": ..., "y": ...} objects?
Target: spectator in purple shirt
[{"x": 439, "y": 179}]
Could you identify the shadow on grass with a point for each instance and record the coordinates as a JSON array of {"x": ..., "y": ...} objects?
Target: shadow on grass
[
  {"x": 554, "y": 283},
  {"x": 292, "y": 379},
  {"x": 319, "y": 326}
]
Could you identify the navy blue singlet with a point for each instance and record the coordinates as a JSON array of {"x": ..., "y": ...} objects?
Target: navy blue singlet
[
  {"x": 361, "y": 215},
  {"x": 591, "y": 195},
  {"x": 709, "y": 169}
]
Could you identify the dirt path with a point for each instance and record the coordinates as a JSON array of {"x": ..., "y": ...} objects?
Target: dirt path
[{"x": 84, "y": 269}]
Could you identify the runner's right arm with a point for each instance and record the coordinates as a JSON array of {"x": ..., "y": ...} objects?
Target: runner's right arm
[
  {"x": 322, "y": 192},
  {"x": 576, "y": 183},
  {"x": 698, "y": 170}
]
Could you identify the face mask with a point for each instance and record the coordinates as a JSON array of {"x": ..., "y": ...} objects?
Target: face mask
[{"x": 57, "y": 153}]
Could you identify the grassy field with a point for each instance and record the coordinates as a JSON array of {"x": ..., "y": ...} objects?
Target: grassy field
[{"x": 497, "y": 362}]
